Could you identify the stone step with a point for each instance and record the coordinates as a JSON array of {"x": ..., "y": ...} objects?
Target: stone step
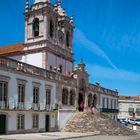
[{"x": 87, "y": 122}]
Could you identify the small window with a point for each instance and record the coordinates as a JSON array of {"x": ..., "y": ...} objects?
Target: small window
[
  {"x": 20, "y": 121},
  {"x": 35, "y": 95},
  {"x": 36, "y": 27},
  {"x": 111, "y": 103},
  {"x": 48, "y": 96},
  {"x": 3, "y": 91},
  {"x": 65, "y": 97},
  {"x": 107, "y": 103},
  {"x": 35, "y": 121},
  {"x": 21, "y": 93},
  {"x": 51, "y": 29},
  {"x": 103, "y": 102},
  {"x": 67, "y": 38},
  {"x": 115, "y": 104}
]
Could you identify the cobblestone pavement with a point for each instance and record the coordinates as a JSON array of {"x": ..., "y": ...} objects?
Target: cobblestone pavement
[
  {"x": 46, "y": 136},
  {"x": 65, "y": 136},
  {"x": 109, "y": 138}
]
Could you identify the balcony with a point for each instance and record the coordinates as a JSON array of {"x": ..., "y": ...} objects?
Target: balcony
[
  {"x": 35, "y": 106},
  {"x": 14, "y": 65},
  {"x": 107, "y": 110},
  {"x": 20, "y": 106},
  {"x": 25, "y": 106},
  {"x": 4, "y": 105}
]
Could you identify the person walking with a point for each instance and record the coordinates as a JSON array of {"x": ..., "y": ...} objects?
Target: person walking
[
  {"x": 82, "y": 106},
  {"x": 91, "y": 108}
]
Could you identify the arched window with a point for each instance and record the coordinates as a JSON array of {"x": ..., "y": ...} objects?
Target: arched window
[
  {"x": 89, "y": 100},
  {"x": 36, "y": 27},
  {"x": 65, "y": 96},
  {"x": 67, "y": 38},
  {"x": 72, "y": 97},
  {"x": 51, "y": 28}
]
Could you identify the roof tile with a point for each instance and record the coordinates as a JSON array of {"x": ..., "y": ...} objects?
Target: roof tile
[{"x": 11, "y": 49}]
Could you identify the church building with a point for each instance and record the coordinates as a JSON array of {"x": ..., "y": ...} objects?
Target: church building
[{"x": 40, "y": 90}]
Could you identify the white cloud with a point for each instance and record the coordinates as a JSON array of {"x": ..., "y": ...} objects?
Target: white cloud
[
  {"x": 81, "y": 38},
  {"x": 111, "y": 74}
]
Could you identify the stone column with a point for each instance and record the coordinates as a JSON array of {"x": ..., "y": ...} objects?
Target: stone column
[
  {"x": 59, "y": 94},
  {"x": 86, "y": 102},
  {"x": 76, "y": 99}
]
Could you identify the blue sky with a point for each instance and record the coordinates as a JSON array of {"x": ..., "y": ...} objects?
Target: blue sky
[{"x": 107, "y": 37}]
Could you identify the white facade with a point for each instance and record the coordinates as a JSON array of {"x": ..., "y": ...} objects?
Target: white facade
[
  {"x": 129, "y": 108},
  {"x": 13, "y": 79},
  {"x": 55, "y": 61},
  {"x": 39, "y": 89},
  {"x": 107, "y": 101}
]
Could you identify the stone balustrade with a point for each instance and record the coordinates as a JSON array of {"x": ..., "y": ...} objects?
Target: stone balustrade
[
  {"x": 13, "y": 105},
  {"x": 15, "y": 65},
  {"x": 102, "y": 90}
]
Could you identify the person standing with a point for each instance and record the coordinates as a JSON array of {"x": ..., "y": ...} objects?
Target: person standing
[
  {"x": 91, "y": 108},
  {"x": 82, "y": 106}
]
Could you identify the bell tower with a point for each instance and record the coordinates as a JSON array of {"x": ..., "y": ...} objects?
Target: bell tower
[{"x": 49, "y": 30}]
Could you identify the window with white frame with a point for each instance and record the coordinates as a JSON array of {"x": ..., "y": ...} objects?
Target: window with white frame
[
  {"x": 115, "y": 104},
  {"x": 103, "y": 102},
  {"x": 21, "y": 93},
  {"x": 48, "y": 96},
  {"x": 35, "y": 121},
  {"x": 20, "y": 121},
  {"x": 65, "y": 93},
  {"x": 51, "y": 31},
  {"x": 107, "y": 100},
  {"x": 3, "y": 90},
  {"x": 35, "y": 95},
  {"x": 111, "y": 103}
]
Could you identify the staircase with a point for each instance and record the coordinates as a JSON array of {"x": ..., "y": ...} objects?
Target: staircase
[{"x": 83, "y": 122}]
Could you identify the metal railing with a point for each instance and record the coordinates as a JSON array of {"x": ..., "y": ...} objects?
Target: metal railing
[
  {"x": 102, "y": 90},
  {"x": 5, "y": 105},
  {"x": 107, "y": 110}
]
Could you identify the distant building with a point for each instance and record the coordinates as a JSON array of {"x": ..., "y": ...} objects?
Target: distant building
[
  {"x": 129, "y": 106},
  {"x": 39, "y": 88}
]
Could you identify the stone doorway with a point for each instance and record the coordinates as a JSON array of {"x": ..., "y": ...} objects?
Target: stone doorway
[
  {"x": 80, "y": 101},
  {"x": 2, "y": 124},
  {"x": 47, "y": 123}
]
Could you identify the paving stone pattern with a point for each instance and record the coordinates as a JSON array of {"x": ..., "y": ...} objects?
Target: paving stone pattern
[{"x": 86, "y": 122}]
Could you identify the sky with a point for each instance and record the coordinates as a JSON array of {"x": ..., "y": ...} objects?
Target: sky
[{"x": 106, "y": 36}]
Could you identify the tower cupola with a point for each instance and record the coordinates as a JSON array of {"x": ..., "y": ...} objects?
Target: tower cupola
[{"x": 37, "y": 1}]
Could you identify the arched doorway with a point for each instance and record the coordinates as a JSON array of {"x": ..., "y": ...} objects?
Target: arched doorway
[
  {"x": 95, "y": 100},
  {"x": 2, "y": 124},
  {"x": 89, "y": 99},
  {"x": 47, "y": 123},
  {"x": 80, "y": 100}
]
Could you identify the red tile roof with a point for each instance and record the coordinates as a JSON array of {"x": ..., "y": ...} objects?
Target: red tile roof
[
  {"x": 135, "y": 98},
  {"x": 11, "y": 49}
]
